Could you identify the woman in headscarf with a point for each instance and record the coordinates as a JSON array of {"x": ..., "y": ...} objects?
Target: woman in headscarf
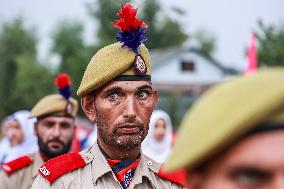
[
  {"x": 19, "y": 138},
  {"x": 158, "y": 143}
]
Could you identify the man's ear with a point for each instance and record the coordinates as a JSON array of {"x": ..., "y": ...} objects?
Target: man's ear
[
  {"x": 88, "y": 106},
  {"x": 155, "y": 98},
  {"x": 194, "y": 180}
]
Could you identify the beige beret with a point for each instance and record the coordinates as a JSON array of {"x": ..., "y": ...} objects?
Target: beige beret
[
  {"x": 110, "y": 62},
  {"x": 55, "y": 104},
  {"x": 225, "y": 113}
]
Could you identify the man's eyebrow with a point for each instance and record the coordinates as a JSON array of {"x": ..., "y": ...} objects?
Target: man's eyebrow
[
  {"x": 112, "y": 89},
  {"x": 48, "y": 121},
  {"x": 252, "y": 169},
  {"x": 144, "y": 87}
]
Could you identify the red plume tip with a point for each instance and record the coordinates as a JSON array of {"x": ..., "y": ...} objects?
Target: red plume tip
[
  {"x": 128, "y": 19},
  {"x": 62, "y": 80}
]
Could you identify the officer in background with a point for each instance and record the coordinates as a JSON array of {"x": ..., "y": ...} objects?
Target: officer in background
[
  {"x": 55, "y": 128},
  {"x": 117, "y": 94},
  {"x": 233, "y": 137}
]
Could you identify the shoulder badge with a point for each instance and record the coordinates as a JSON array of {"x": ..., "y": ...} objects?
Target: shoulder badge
[
  {"x": 177, "y": 177},
  {"x": 56, "y": 167},
  {"x": 17, "y": 164}
]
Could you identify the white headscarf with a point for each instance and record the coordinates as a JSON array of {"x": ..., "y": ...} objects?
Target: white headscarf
[
  {"x": 29, "y": 144},
  {"x": 4, "y": 148},
  {"x": 92, "y": 138},
  {"x": 158, "y": 150}
]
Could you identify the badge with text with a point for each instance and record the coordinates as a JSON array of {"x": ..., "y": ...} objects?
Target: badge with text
[
  {"x": 44, "y": 171},
  {"x": 140, "y": 65}
]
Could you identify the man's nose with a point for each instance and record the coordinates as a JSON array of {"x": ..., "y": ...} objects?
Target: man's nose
[
  {"x": 130, "y": 108},
  {"x": 56, "y": 131}
]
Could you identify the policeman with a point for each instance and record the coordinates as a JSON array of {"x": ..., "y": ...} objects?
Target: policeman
[
  {"x": 117, "y": 94},
  {"x": 55, "y": 127},
  {"x": 233, "y": 137}
]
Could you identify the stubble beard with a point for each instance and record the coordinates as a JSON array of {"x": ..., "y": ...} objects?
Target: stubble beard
[{"x": 114, "y": 139}]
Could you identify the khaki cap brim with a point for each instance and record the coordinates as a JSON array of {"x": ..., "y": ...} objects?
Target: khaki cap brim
[{"x": 55, "y": 104}]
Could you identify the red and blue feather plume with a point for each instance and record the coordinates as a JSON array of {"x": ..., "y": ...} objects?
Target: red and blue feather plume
[
  {"x": 63, "y": 83},
  {"x": 132, "y": 30}
]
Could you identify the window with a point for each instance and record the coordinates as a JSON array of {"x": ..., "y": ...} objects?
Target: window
[{"x": 187, "y": 66}]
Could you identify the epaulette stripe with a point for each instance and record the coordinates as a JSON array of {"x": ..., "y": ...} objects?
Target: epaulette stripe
[
  {"x": 61, "y": 165},
  {"x": 177, "y": 177},
  {"x": 14, "y": 165}
]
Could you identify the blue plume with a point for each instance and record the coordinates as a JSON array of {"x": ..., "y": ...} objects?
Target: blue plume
[
  {"x": 66, "y": 92},
  {"x": 132, "y": 39}
]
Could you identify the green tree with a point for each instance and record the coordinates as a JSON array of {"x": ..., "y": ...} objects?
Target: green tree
[
  {"x": 33, "y": 81},
  {"x": 206, "y": 42},
  {"x": 14, "y": 41},
  {"x": 169, "y": 32},
  {"x": 21, "y": 77},
  {"x": 270, "y": 40},
  {"x": 104, "y": 11},
  {"x": 74, "y": 55}
]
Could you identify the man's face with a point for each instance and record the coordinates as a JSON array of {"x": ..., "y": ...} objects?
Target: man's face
[
  {"x": 14, "y": 132},
  {"x": 123, "y": 110},
  {"x": 55, "y": 135},
  {"x": 257, "y": 162}
]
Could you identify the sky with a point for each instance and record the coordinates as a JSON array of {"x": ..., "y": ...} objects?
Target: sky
[{"x": 230, "y": 21}]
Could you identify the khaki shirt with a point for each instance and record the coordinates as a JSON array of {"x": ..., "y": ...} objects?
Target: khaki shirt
[
  {"x": 22, "y": 178},
  {"x": 97, "y": 174}
]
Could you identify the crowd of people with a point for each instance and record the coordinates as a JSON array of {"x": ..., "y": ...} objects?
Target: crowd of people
[
  {"x": 231, "y": 138},
  {"x": 19, "y": 137}
]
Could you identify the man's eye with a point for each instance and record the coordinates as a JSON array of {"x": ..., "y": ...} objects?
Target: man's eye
[
  {"x": 247, "y": 178},
  {"x": 65, "y": 125},
  {"x": 143, "y": 94},
  {"x": 251, "y": 178},
  {"x": 113, "y": 96},
  {"x": 48, "y": 124}
]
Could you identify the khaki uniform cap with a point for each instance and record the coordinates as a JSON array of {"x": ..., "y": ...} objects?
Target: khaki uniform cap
[
  {"x": 55, "y": 104},
  {"x": 225, "y": 113},
  {"x": 108, "y": 63}
]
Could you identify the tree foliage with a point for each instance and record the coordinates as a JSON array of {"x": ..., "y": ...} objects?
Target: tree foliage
[
  {"x": 162, "y": 33},
  {"x": 270, "y": 44},
  {"x": 104, "y": 12},
  {"x": 206, "y": 42},
  {"x": 68, "y": 44},
  {"x": 23, "y": 81}
]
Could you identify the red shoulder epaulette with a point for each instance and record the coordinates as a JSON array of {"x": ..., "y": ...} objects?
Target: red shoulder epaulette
[
  {"x": 56, "y": 167},
  {"x": 177, "y": 177},
  {"x": 17, "y": 164}
]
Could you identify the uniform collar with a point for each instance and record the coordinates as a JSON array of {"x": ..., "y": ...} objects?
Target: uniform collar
[
  {"x": 144, "y": 169},
  {"x": 37, "y": 162},
  {"x": 101, "y": 167}
]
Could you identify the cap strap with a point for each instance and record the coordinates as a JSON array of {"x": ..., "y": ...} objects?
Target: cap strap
[{"x": 133, "y": 78}]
